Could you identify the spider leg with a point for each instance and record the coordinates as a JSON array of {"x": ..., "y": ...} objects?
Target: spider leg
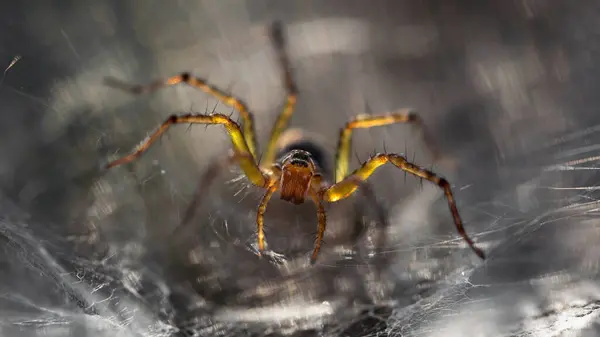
[
  {"x": 197, "y": 82},
  {"x": 342, "y": 160},
  {"x": 366, "y": 190},
  {"x": 346, "y": 187},
  {"x": 260, "y": 214},
  {"x": 245, "y": 160},
  {"x": 322, "y": 218},
  {"x": 278, "y": 41},
  {"x": 209, "y": 175}
]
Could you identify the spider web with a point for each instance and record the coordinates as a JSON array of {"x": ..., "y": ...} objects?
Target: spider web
[{"x": 509, "y": 92}]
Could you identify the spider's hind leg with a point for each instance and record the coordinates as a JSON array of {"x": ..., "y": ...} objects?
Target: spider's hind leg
[{"x": 279, "y": 43}]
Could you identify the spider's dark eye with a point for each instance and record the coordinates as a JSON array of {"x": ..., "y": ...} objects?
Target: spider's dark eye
[
  {"x": 301, "y": 156},
  {"x": 299, "y": 162}
]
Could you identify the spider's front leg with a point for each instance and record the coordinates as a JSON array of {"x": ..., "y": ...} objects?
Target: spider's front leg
[
  {"x": 272, "y": 187},
  {"x": 318, "y": 191},
  {"x": 349, "y": 185},
  {"x": 245, "y": 160},
  {"x": 322, "y": 221}
]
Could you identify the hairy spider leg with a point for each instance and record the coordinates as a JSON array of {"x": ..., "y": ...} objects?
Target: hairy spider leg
[
  {"x": 342, "y": 158},
  {"x": 199, "y": 83},
  {"x": 262, "y": 208},
  {"x": 346, "y": 187},
  {"x": 322, "y": 221},
  {"x": 363, "y": 186},
  {"x": 282, "y": 121},
  {"x": 246, "y": 161}
]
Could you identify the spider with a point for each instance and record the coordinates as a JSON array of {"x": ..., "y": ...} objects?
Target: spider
[{"x": 296, "y": 172}]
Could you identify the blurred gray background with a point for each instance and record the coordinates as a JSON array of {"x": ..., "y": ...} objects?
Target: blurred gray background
[{"x": 507, "y": 88}]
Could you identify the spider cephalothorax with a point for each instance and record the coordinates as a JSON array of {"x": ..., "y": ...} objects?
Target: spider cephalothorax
[
  {"x": 297, "y": 175},
  {"x": 297, "y": 171}
]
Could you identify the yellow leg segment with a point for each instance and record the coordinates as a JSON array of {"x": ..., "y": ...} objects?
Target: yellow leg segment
[
  {"x": 346, "y": 187},
  {"x": 342, "y": 160},
  {"x": 196, "y": 82},
  {"x": 245, "y": 158},
  {"x": 284, "y": 117}
]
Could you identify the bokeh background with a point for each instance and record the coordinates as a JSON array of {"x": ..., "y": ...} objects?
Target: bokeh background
[{"x": 507, "y": 88}]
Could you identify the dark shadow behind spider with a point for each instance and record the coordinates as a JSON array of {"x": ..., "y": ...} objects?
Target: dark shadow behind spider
[{"x": 296, "y": 172}]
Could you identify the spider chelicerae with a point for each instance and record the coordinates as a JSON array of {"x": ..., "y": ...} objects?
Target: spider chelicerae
[{"x": 297, "y": 173}]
